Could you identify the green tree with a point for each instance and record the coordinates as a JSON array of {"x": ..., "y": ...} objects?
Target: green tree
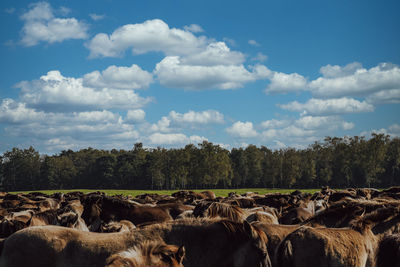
[
  {"x": 21, "y": 169},
  {"x": 254, "y": 159}
]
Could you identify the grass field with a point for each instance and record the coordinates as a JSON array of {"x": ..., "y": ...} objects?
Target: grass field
[{"x": 218, "y": 192}]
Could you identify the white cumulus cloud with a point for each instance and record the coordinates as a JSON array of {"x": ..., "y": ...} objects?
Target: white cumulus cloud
[
  {"x": 135, "y": 115},
  {"x": 119, "y": 78},
  {"x": 342, "y": 105},
  {"x": 41, "y": 25},
  {"x": 284, "y": 83},
  {"x": 15, "y": 112},
  {"x": 384, "y": 97},
  {"x": 174, "y": 139},
  {"x": 151, "y": 35},
  {"x": 217, "y": 53},
  {"x": 193, "y": 117},
  {"x": 171, "y": 72},
  {"x": 54, "y": 91},
  {"x": 242, "y": 129},
  {"x": 357, "y": 82}
]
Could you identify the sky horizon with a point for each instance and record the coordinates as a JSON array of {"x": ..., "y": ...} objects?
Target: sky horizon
[{"x": 108, "y": 74}]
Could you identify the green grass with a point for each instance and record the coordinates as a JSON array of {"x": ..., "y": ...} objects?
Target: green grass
[{"x": 218, "y": 192}]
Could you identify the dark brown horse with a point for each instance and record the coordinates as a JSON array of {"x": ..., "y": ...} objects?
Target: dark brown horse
[{"x": 115, "y": 209}]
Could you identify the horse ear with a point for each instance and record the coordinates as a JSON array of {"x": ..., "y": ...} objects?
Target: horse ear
[{"x": 180, "y": 254}]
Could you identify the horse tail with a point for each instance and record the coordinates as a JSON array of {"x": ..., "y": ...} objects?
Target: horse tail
[{"x": 284, "y": 254}]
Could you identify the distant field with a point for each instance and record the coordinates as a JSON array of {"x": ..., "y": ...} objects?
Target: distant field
[{"x": 218, "y": 192}]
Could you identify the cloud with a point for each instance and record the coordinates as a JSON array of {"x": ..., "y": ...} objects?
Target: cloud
[
  {"x": 163, "y": 125},
  {"x": 260, "y": 57},
  {"x": 64, "y": 10},
  {"x": 9, "y": 10},
  {"x": 393, "y": 130},
  {"x": 356, "y": 81},
  {"x": 193, "y": 117},
  {"x": 190, "y": 119},
  {"x": 217, "y": 53},
  {"x": 242, "y": 130},
  {"x": 56, "y": 131},
  {"x": 253, "y": 43},
  {"x": 274, "y": 123},
  {"x": 119, "y": 78},
  {"x": 135, "y": 115},
  {"x": 171, "y": 72},
  {"x": 193, "y": 28},
  {"x": 336, "y": 81},
  {"x": 56, "y": 92},
  {"x": 41, "y": 25},
  {"x": 174, "y": 139},
  {"x": 385, "y": 97},
  {"x": 284, "y": 83},
  {"x": 323, "y": 122},
  {"x": 151, "y": 35},
  {"x": 303, "y": 131},
  {"x": 337, "y": 71},
  {"x": 14, "y": 112},
  {"x": 96, "y": 17},
  {"x": 229, "y": 41},
  {"x": 342, "y": 105}
]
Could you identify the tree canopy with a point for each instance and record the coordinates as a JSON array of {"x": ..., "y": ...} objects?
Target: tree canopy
[{"x": 336, "y": 162}]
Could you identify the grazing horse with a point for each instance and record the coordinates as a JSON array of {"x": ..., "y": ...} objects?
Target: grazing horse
[
  {"x": 151, "y": 254},
  {"x": 207, "y": 243}
]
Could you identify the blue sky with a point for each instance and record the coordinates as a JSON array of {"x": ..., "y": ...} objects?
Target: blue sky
[{"x": 108, "y": 74}]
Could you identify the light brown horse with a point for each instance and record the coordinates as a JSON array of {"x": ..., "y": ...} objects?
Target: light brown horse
[
  {"x": 356, "y": 246},
  {"x": 327, "y": 247},
  {"x": 207, "y": 242},
  {"x": 275, "y": 234}
]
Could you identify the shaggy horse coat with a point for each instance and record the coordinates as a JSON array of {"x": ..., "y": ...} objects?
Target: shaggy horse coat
[
  {"x": 207, "y": 242},
  {"x": 152, "y": 254}
]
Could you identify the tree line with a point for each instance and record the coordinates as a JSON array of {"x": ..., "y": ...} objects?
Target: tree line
[{"x": 336, "y": 162}]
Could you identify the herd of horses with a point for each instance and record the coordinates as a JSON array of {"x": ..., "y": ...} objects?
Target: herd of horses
[{"x": 352, "y": 227}]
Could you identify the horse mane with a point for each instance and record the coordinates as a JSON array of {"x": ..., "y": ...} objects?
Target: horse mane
[{"x": 217, "y": 209}]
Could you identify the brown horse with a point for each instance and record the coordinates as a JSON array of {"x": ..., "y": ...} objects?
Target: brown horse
[
  {"x": 327, "y": 247},
  {"x": 115, "y": 209},
  {"x": 389, "y": 251},
  {"x": 275, "y": 234},
  {"x": 148, "y": 254},
  {"x": 219, "y": 210},
  {"x": 207, "y": 242},
  {"x": 120, "y": 226},
  {"x": 355, "y": 246}
]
